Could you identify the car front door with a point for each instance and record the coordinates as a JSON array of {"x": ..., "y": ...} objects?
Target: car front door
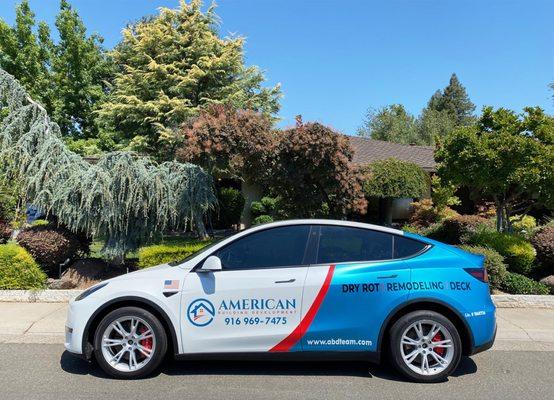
[{"x": 255, "y": 301}]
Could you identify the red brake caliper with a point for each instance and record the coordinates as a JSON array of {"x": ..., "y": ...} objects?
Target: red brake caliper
[
  {"x": 146, "y": 343},
  {"x": 439, "y": 350}
]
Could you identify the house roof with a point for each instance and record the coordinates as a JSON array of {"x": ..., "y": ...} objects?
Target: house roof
[{"x": 368, "y": 150}]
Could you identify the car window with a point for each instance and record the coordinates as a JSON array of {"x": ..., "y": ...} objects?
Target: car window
[
  {"x": 275, "y": 247},
  {"x": 342, "y": 244},
  {"x": 405, "y": 247}
]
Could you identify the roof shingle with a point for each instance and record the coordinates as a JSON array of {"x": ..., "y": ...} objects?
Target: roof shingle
[{"x": 369, "y": 150}]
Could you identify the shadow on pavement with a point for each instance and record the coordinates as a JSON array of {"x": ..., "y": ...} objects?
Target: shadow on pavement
[{"x": 77, "y": 366}]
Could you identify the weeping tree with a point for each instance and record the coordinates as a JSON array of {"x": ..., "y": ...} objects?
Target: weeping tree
[{"x": 124, "y": 199}]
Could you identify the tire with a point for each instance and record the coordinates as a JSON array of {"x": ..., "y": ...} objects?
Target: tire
[
  {"x": 442, "y": 351},
  {"x": 115, "y": 340}
]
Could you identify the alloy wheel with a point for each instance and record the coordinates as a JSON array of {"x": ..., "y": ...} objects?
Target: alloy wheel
[
  {"x": 427, "y": 347},
  {"x": 128, "y": 344}
]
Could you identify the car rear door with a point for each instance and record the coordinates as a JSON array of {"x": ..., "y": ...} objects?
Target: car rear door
[
  {"x": 254, "y": 302},
  {"x": 355, "y": 283}
]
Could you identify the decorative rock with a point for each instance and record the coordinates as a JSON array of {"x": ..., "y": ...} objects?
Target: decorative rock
[
  {"x": 549, "y": 281},
  {"x": 59, "y": 284}
]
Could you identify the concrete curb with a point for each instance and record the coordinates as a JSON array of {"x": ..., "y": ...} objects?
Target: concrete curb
[
  {"x": 63, "y": 296},
  {"x": 38, "y": 296}
]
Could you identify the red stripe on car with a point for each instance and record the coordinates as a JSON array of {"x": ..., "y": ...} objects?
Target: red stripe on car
[{"x": 287, "y": 343}]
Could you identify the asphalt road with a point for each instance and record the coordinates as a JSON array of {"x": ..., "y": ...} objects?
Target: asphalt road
[{"x": 46, "y": 372}]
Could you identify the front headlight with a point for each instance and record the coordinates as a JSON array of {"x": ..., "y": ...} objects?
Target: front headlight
[{"x": 90, "y": 291}]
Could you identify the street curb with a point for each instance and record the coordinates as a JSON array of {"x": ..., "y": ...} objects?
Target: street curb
[{"x": 64, "y": 296}]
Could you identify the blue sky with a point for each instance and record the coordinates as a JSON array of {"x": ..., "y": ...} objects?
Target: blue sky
[{"x": 334, "y": 59}]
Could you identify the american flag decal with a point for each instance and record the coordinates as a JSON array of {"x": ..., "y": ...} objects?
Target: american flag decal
[{"x": 171, "y": 284}]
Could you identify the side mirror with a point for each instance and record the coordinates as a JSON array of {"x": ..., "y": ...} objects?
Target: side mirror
[{"x": 212, "y": 263}]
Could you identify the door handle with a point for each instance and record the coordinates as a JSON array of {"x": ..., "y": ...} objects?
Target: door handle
[
  {"x": 387, "y": 276},
  {"x": 289, "y": 281}
]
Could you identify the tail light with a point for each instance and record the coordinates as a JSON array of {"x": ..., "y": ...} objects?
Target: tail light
[{"x": 478, "y": 273}]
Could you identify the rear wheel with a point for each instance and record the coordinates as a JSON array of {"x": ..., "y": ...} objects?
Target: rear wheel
[
  {"x": 425, "y": 346},
  {"x": 129, "y": 343}
]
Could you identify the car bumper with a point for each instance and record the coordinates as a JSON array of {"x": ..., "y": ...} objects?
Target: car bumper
[
  {"x": 78, "y": 314},
  {"x": 484, "y": 346}
]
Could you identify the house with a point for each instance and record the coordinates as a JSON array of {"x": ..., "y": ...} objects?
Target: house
[{"x": 368, "y": 150}]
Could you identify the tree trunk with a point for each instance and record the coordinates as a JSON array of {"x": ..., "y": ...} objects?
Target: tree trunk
[
  {"x": 250, "y": 192},
  {"x": 388, "y": 211},
  {"x": 500, "y": 217}
]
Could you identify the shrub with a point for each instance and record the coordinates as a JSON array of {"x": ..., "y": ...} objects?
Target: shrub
[
  {"x": 231, "y": 204},
  {"x": 425, "y": 214},
  {"x": 518, "y": 253},
  {"x": 5, "y": 232},
  {"x": 262, "y": 219},
  {"x": 150, "y": 256},
  {"x": 18, "y": 270},
  {"x": 39, "y": 222},
  {"x": 458, "y": 229},
  {"x": 523, "y": 224},
  {"x": 519, "y": 284},
  {"x": 543, "y": 242},
  {"x": 51, "y": 246},
  {"x": 494, "y": 263}
]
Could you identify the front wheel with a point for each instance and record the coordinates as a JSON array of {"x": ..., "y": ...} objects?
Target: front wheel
[
  {"x": 425, "y": 346},
  {"x": 130, "y": 343}
]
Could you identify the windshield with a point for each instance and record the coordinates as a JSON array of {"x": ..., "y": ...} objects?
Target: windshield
[{"x": 192, "y": 255}]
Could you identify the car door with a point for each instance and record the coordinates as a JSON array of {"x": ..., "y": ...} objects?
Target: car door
[
  {"x": 254, "y": 302},
  {"x": 363, "y": 284}
]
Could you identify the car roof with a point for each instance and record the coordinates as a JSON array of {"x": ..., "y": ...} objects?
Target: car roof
[{"x": 333, "y": 222}]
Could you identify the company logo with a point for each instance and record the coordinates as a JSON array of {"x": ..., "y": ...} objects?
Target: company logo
[{"x": 201, "y": 312}]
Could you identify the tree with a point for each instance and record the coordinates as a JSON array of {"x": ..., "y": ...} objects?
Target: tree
[
  {"x": 68, "y": 78},
  {"x": 433, "y": 124},
  {"x": 394, "y": 179},
  {"x": 123, "y": 198},
  {"x": 28, "y": 56},
  {"x": 313, "y": 174},
  {"x": 506, "y": 157},
  {"x": 171, "y": 66},
  {"x": 455, "y": 101},
  {"x": 80, "y": 69},
  {"x": 392, "y": 124},
  {"x": 230, "y": 143}
]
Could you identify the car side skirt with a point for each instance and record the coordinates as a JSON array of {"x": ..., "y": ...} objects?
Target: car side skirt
[{"x": 373, "y": 357}]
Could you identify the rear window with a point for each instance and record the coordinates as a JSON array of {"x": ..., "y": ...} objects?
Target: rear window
[
  {"x": 404, "y": 247},
  {"x": 343, "y": 244}
]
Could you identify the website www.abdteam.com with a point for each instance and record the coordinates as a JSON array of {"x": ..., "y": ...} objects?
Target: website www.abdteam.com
[{"x": 339, "y": 342}]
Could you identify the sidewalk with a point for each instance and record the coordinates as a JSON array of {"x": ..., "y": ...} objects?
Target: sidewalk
[{"x": 526, "y": 329}]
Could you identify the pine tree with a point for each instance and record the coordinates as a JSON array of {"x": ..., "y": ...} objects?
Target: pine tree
[
  {"x": 172, "y": 65},
  {"x": 124, "y": 199},
  {"x": 455, "y": 101}
]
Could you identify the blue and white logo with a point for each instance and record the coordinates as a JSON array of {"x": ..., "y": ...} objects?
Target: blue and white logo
[{"x": 201, "y": 312}]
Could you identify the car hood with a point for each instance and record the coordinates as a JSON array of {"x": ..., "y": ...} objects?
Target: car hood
[{"x": 154, "y": 272}]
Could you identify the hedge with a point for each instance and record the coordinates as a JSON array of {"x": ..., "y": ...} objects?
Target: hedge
[
  {"x": 494, "y": 263},
  {"x": 150, "y": 256},
  {"x": 18, "y": 269},
  {"x": 519, "y": 284},
  {"x": 518, "y": 253}
]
